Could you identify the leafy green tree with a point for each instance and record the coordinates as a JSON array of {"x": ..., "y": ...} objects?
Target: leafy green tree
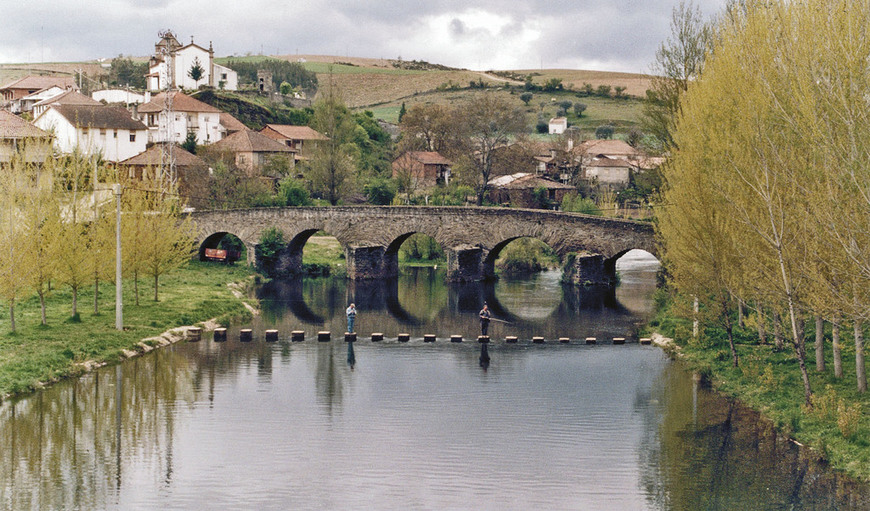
[
  {"x": 125, "y": 72},
  {"x": 380, "y": 191},
  {"x": 285, "y": 88},
  {"x": 605, "y": 131},
  {"x": 402, "y": 112},
  {"x": 189, "y": 143},
  {"x": 603, "y": 91},
  {"x": 269, "y": 250},
  {"x": 579, "y": 108},
  {"x": 553, "y": 85},
  {"x": 526, "y": 97},
  {"x": 679, "y": 60},
  {"x": 292, "y": 192},
  {"x": 196, "y": 71},
  {"x": 332, "y": 166}
]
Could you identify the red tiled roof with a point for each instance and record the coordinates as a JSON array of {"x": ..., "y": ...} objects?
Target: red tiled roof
[
  {"x": 251, "y": 141},
  {"x": 428, "y": 157},
  {"x": 99, "y": 116},
  {"x": 295, "y": 132},
  {"x": 41, "y": 82},
  {"x": 231, "y": 123},
  {"x": 12, "y": 126},
  {"x": 605, "y": 146},
  {"x": 152, "y": 157},
  {"x": 180, "y": 103},
  {"x": 69, "y": 97}
]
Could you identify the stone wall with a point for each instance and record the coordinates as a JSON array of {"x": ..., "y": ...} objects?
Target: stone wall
[{"x": 471, "y": 237}]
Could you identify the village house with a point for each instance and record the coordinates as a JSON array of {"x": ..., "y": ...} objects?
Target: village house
[
  {"x": 558, "y": 125},
  {"x": 15, "y": 90},
  {"x": 253, "y": 150},
  {"x": 184, "y": 59},
  {"x": 119, "y": 96},
  {"x": 188, "y": 114},
  {"x": 20, "y": 136},
  {"x": 26, "y": 103},
  {"x": 301, "y": 138},
  {"x": 612, "y": 172},
  {"x": 231, "y": 124},
  {"x": 69, "y": 97},
  {"x": 519, "y": 190},
  {"x": 94, "y": 129},
  {"x": 192, "y": 171},
  {"x": 424, "y": 169}
]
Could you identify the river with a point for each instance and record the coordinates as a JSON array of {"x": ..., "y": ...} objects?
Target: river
[{"x": 390, "y": 425}]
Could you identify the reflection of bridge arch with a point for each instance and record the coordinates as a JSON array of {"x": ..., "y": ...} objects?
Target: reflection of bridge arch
[{"x": 370, "y": 234}]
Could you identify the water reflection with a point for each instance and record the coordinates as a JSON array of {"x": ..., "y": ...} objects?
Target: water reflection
[{"x": 421, "y": 302}]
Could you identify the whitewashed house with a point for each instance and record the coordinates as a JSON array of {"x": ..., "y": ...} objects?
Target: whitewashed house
[
  {"x": 118, "y": 96},
  {"x": 187, "y": 114},
  {"x": 26, "y": 103},
  {"x": 94, "y": 129},
  {"x": 184, "y": 59},
  {"x": 69, "y": 97},
  {"x": 558, "y": 125}
]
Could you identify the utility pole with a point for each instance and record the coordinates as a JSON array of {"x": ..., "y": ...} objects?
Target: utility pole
[
  {"x": 167, "y": 159},
  {"x": 119, "y": 306}
]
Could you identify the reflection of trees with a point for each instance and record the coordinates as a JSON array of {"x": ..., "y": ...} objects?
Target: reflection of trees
[
  {"x": 63, "y": 448},
  {"x": 731, "y": 459}
]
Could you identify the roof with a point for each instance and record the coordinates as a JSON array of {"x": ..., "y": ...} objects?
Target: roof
[
  {"x": 559, "y": 120},
  {"x": 428, "y": 157},
  {"x": 606, "y": 146},
  {"x": 251, "y": 141},
  {"x": 152, "y": 157},
  {"x": 41, "y": 82},
  {"x": 231, "y": 123},
  {"x": 609, "y": 162},
  {"x": 69, "y": 97},
  {"x": 524, "y": 180},
  {"x": 295, "y": 132},
  {"x": 98, "y": 116},
  {"x": 12, "y": 126},
  {"x": 180, "y": 103}
]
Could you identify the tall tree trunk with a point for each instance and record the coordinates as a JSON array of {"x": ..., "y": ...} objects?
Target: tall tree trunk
[
  {"x": 820, "y": 344},
  {"x": 728, "y": 328},
  {"x": 136, "y": 286},
  {"x": 695, "y": 322},
  {"x": 12, "y": 315},
  {"x": 96, "y": 295},
  {"x": 835, "y": 343},
  {"x": 777, "y": 331},
  {"x": 762, "y": 335},
  {"x": 860, "y": 371},
  {"x": 75, "y": 300},
  {"x": 155, "y": 287},
  {"x": 740, "y": 307},
  {"x": 41, "y": 294}
]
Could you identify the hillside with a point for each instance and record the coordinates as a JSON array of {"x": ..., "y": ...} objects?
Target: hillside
[{"x": 383, "y": 85}]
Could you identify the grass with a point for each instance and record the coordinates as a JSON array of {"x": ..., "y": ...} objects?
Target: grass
[
  {"x": 837, "y": 428},
  {"x": 36, "y": 353},
  {"x": 322, "y": 249}
]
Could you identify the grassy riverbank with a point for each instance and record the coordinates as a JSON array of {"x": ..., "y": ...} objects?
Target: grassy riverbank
[
  {"x": 836, "y": 429},
  {"x": 36, "y": 353}
]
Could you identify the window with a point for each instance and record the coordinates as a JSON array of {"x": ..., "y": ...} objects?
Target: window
[
  {"x": 85, "y": 131},
  {"x": 115, "y": 134},
  {"x": 223, "y": 76},
  {"x": 132, "y": 136},
  {"x": 102, "y": 132},
  {"x": 206, "y": 118}
]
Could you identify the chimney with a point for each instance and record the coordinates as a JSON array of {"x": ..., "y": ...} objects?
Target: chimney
[{"x": 135, "y": 110}]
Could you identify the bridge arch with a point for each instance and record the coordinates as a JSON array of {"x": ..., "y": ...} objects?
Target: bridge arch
[
  {"x": 467, "y": 234},
  {"x": 495, "y": 252}
]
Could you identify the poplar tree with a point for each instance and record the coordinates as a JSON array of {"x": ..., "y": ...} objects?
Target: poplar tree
[{"x": 13, "y": 263}]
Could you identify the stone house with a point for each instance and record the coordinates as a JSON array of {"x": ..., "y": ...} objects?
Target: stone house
[
  {"x": 519, "y": 189},
  {"x": 192, "y": 172},
  {"x": 425, "y": 169},
  {"x": 253, "y": 150},
  {"x": 183, "y": 59},
  {"x": 613, "y": 172},
  {"x": 188, "y": 114},
  {"x": 94, "y": 129},
  {"x": 301, "y": 138},
  {"x": 16, "y": 134}
]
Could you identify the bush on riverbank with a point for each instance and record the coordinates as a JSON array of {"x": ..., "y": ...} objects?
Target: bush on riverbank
[
  {"x": 36, "y": 353},
  {"x": 837, "y": 428}
]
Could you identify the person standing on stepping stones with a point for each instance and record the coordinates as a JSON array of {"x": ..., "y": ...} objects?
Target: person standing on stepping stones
[
  {"x": 351, "y": 317},
  {"x": 484, "y": 319}
]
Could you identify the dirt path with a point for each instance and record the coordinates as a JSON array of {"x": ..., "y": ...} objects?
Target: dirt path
[{"x": 499, "y": 78}]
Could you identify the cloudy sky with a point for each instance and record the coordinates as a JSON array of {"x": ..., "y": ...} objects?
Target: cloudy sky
[{"x": 614, "y": 35}]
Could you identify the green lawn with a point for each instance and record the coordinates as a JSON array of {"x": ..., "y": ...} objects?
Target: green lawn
[{"x": 36, "y": 353}]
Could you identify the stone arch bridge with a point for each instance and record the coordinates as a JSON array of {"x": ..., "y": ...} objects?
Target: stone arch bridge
[{"x": 471, "y": 237}]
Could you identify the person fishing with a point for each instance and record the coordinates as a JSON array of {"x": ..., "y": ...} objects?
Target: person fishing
[
  {"x": 351, "y": 317},
  {"x": 485, "y": 317}
]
